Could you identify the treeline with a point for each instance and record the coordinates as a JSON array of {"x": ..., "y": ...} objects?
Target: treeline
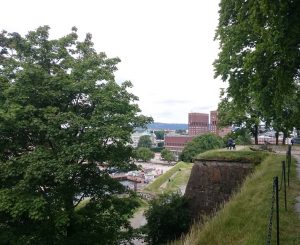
[{"x": 259, "y": 59}]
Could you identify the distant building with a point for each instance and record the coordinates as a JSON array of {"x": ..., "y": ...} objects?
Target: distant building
[
  {"x": 176, "y": 143},
  {"x": 135, "y": 137},
  {"x": 214, "y": 125},
  {"x": 198, "y": 124},
  {"x": 213, "y": 122}
]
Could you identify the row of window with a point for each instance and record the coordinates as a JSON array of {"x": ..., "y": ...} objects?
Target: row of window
[{"x": 174, "y": 144}]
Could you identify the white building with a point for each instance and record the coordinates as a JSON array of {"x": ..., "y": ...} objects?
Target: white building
[{"x": 135, "y": 137}]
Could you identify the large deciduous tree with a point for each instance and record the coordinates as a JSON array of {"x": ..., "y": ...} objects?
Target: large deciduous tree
[
  {"x": 61, "y": 115},
  {"x": 145, "y": 141},
  {"x": 260, "y": 57},
  {"x": 144, "y": 154},
  {"x": 167, "y": 155}
]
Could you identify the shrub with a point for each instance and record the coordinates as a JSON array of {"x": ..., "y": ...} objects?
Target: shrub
[
  {"x": 167, "y": 218},
  {"x": 201, "y": 144}
]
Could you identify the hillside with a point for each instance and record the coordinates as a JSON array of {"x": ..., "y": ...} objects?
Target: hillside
[
  {"x": 167, "y": 126},
  {"x": 245, "y": 218}
]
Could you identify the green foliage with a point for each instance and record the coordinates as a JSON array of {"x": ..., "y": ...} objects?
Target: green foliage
[
  {"x": 157, "y": 149},
  {"x": 143, "y": 153},
  {"x": 244, "y": 115},
  {"x": 61, "y": 114},
  {"x": 168, "y": 217},
  {"x": 145, "y": 141},
  {"x": 167, "y": 155},
  {"x": 259, "y": 59},
  {"x": 160, "y": 135},
  {"x": 200, "y": 144},
  {"x": 240, "y": 136}
]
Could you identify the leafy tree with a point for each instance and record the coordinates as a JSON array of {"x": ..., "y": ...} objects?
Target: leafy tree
[
  {"x": 143, "y": 153},
  {"x": 160, "y": 135},
  {"x": 240, "y": 136},
  {"x": 167, "y": 155},
  {"x": 201, "y": 144},
  {"x": 62, "y": 114},
  {"x": 168, "y": 217},
  {"x": 145, "y": 141},
  {"x": 259, "y": 57},
  {"x": 244, "y": 116}
]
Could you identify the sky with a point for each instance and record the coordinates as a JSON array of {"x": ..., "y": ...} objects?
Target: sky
[{"x": 166, "y": 47}]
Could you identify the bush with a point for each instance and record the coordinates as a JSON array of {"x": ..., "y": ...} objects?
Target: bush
[
  {"x": 201, "y": 144},
  {"x": 167, "y": 155},
  {"x": 167, "y": 218}
]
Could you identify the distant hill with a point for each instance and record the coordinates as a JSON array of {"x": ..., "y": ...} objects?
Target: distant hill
[{"x": 170, "y": 126}]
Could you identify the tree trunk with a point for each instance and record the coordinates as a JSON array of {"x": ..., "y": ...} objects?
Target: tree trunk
[
  {"x": 283, "y": 140},
  {"x": 285, "y": 134},
  {"x": 277, "y": 135},
  {"x": 256, "y": 134},
  {"x": 70, "y": 211}
]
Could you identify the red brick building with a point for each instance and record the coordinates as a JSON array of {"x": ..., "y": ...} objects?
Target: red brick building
[
  {"x": 213, "y": 122},
  {"x": 198, "y": 123},
  {"x": 176, "y": 143}
]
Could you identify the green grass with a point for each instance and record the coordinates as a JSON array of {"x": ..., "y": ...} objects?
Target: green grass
[
  {"x": 177, "y": 178},
  {"x": 244, "y": 219},
  {"x": 234, "y": 156}
]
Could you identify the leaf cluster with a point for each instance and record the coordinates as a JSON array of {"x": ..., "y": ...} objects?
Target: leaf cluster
[
  {"x": 168, "y": 217},
  {"x": 201, "y": 144}
]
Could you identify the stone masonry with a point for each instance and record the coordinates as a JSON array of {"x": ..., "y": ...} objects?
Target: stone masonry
[{"x": 212, "y": 182}]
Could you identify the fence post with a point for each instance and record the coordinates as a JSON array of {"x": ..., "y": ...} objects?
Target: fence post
[
  {"x": 289, "y": 158},
  {"x": 284, "y": 181},
  {"x": 277, "y": 209}
]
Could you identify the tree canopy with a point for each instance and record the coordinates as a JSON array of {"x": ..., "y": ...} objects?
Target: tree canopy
[
  {"x": 61, "y": 115},
  {"x": 160, "y": 135},
  {"x": 201, "y": 144},
  {"x": 145, "y": 141},
  {"x": 144, "y": 153},
  {"x": 168, "y": 217},
  {"x": 167, "y": 155},
  {"x": 259, "y": 58}
]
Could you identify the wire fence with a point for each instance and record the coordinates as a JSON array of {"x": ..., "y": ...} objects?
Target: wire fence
[{"x": 275, "y": 197}]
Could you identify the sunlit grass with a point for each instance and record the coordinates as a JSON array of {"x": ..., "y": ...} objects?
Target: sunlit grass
[
  {"x": 233, "y": 156},
  {"x": 178, "y": 176}
]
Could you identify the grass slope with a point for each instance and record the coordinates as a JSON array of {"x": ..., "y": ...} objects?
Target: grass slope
[
  {"x": 178, "y": 175},
  {"x": 244, "y": 219},
  {"x": 233, "y": 156}
]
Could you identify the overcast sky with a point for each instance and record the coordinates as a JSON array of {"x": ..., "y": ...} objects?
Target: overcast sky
[{"x": 166, "y": 47}]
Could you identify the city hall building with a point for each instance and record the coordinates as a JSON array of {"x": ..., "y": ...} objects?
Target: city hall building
[{"x": 198, "y": 124}]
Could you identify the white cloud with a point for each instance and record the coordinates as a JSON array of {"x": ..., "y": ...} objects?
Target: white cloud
[{"x": 166, "y": 46}]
